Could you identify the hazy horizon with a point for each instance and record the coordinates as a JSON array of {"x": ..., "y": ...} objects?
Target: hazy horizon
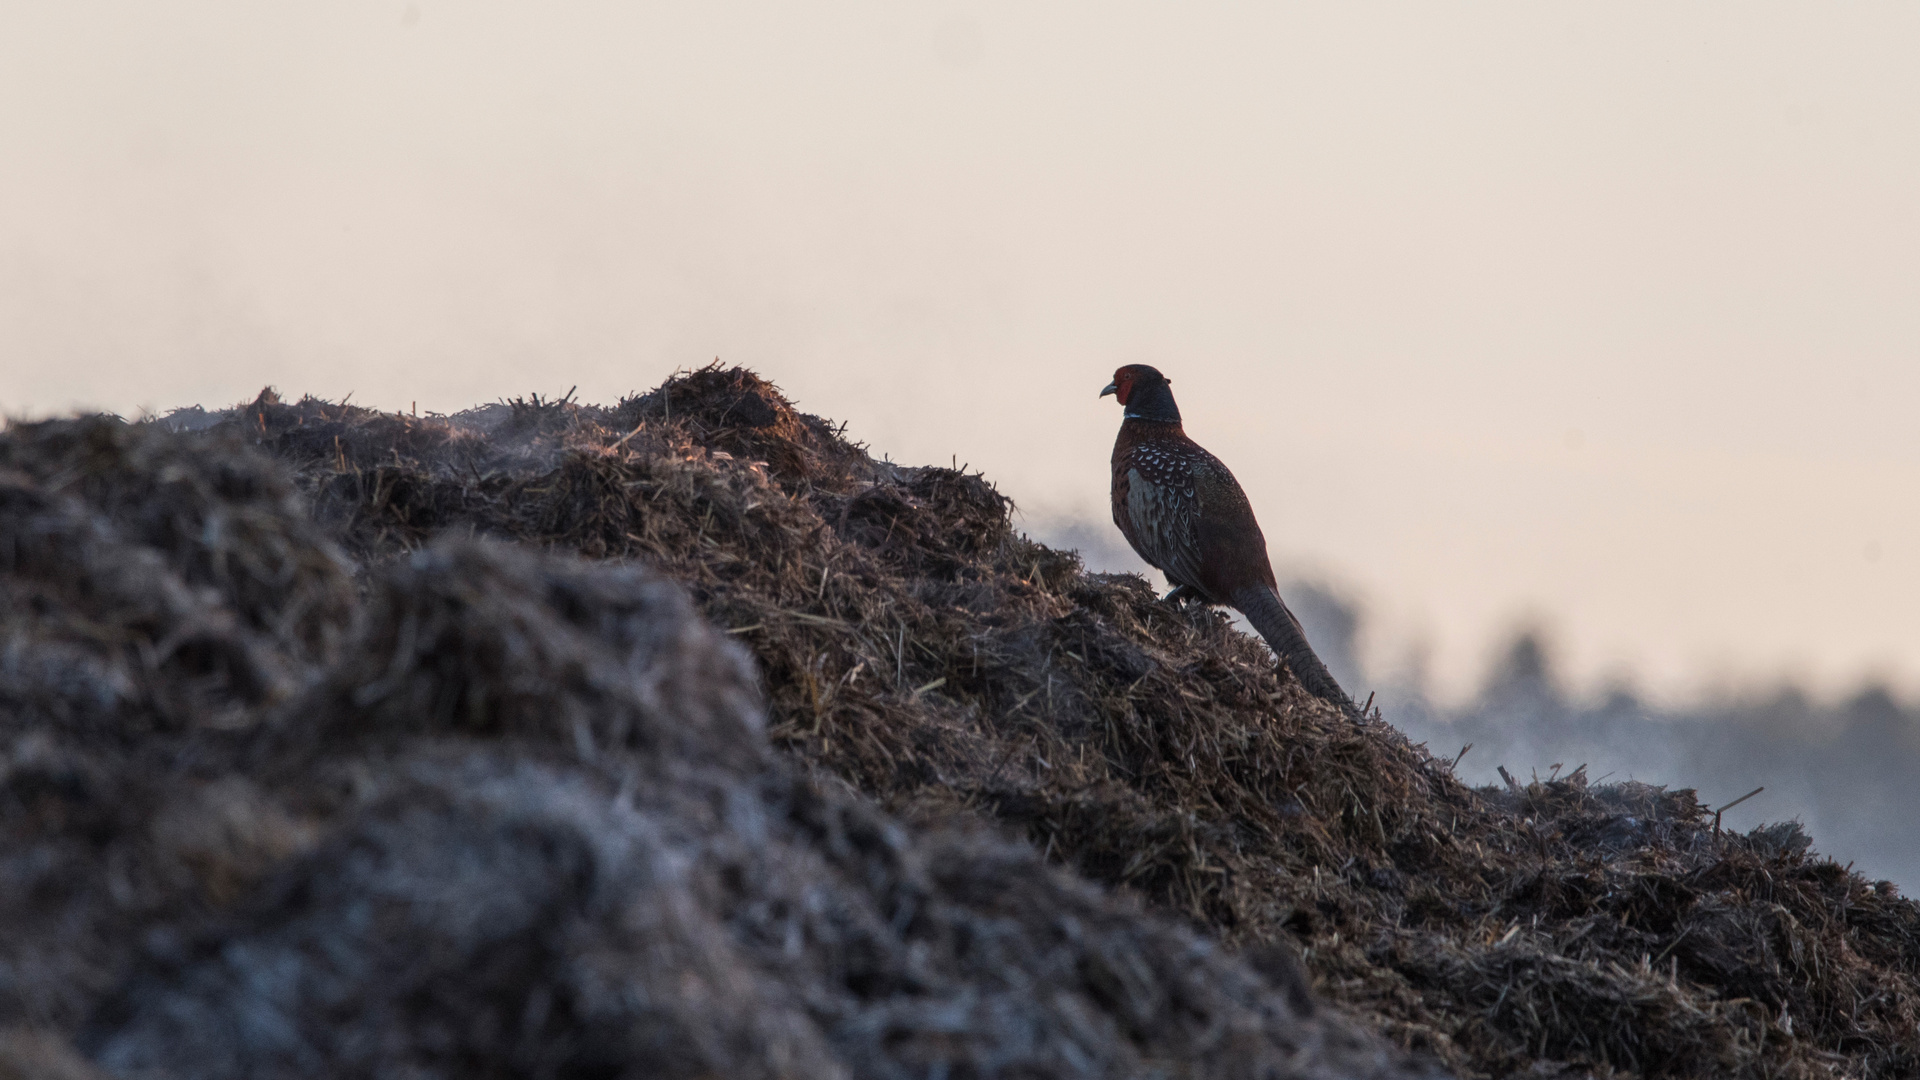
[{"x": 1603, "y": 319}]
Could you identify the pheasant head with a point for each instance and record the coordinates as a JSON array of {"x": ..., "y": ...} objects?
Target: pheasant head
[{"x": 1144, "y": 393}]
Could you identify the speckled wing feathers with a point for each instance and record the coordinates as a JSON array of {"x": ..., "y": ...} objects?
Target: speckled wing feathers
[
  {"x": 1182, "y": 510},
  {"x": 1160, "y": 520}
]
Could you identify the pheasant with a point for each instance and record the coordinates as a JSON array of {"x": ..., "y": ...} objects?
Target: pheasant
[{"x": 1185, "y": 514}]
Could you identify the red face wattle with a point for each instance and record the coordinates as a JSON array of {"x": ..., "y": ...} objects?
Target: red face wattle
[{"x": 1122, "y": 385}]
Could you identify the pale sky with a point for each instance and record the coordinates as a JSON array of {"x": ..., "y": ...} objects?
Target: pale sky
[{"x": 1606, "y": 315}]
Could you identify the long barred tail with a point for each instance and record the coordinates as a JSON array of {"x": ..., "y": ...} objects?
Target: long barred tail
[{"x": 1269, "y": 615}]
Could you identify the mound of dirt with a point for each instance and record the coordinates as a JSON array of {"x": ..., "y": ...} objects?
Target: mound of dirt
[
  {"x": 479, "y": 809},
  {"x": 924, "y": 666}
]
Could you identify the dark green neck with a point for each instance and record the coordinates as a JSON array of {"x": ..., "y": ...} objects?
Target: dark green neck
[{"x": 1153, "y": 402}]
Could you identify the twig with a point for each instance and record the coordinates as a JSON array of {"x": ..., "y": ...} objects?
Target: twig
[
  {"x": 1731, "y": 805},
  {"x": 1512, "y": 785},
  {"x": 621, "y": 441},
  {"x": 1451, "y": 765}
]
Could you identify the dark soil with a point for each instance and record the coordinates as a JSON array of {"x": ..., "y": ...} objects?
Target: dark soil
[{"x": 340, "y": 758}]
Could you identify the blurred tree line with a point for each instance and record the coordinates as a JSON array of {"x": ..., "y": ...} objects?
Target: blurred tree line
[{"x": 1848, "y": 771}]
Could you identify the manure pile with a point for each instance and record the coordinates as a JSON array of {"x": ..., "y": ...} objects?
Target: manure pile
[{"x": 350, "y": 743}]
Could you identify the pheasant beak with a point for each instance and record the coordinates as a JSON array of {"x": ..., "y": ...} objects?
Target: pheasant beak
[{"x": 1111, "y": 389}]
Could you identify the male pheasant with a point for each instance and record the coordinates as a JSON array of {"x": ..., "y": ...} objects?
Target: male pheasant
[{"x": 1185, "y": 514}]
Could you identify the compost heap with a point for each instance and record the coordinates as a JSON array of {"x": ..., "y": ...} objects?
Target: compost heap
[{"x": 431, "y": 747}]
